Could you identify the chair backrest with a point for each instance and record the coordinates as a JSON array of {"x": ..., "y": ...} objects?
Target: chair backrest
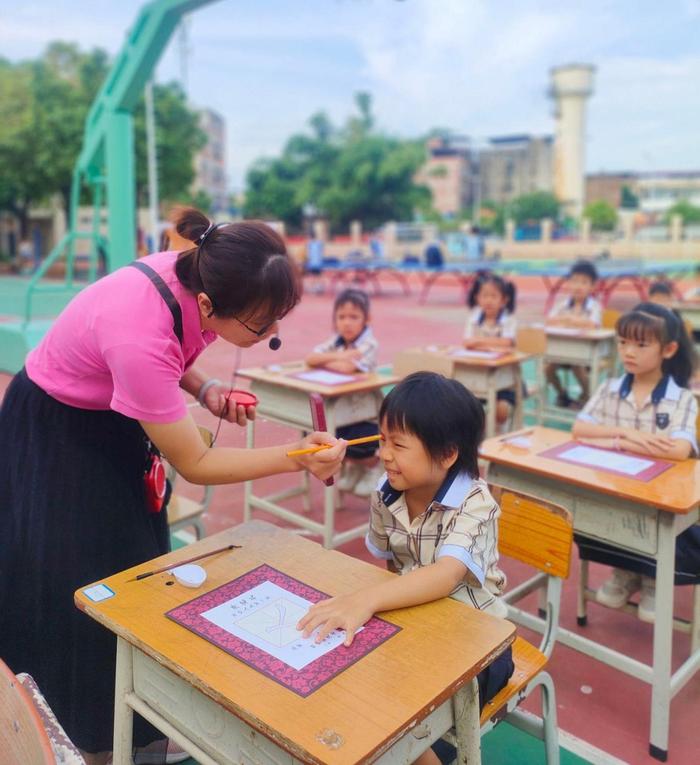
[
  {"x": 22, "y": 736},
  {"x": 531, "y": 340},
  {"x": 609, "y": 318},
  {"x": 540, "y": 534},
  {"x": 534, "y": 531}
]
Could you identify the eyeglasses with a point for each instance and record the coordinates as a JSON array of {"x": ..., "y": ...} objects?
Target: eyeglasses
[{"x": 258, "y": 332}]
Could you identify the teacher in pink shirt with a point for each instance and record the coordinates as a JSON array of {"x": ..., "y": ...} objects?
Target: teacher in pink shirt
[{"x": 81, "y": 427}]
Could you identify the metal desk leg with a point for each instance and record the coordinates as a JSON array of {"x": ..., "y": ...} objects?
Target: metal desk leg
[
  {"x": 490, "y": 409},
  {"x": 248, "y": 485},
  {"x": 123, "y": 713},
  {"x": 467, "y": 728},
  {"x": 518, "y": 409},
  {"x": 594, "y": 376},
  {"x": 663, "y": 638}
]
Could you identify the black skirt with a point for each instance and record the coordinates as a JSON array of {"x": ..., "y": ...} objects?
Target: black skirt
[{"x": 72, "y": 511}]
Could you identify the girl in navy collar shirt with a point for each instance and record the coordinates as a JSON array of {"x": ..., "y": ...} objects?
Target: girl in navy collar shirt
[{"x": 648, "y": 411}]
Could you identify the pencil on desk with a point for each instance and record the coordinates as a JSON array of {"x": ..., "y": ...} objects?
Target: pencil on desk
[
  {"x": 182, "y": 562},
  {"x": 351, "y": 442}
]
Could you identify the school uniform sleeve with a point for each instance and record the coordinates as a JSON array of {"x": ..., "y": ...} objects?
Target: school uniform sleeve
[
  {"x": 470, "y": 328},
  {"x": 560, "y": 309},
  {"x": 327, "y": 346},
  {"x": 368, "y": 346},
  {"x": 595, "y": 312},
  {"x": 683, "y": 420},
  {"x": 472, "y": 535},
  {"x": 377, "y": 538},
  {"x": 594, "y": 410},
  {"x": 509, "y": 327}
]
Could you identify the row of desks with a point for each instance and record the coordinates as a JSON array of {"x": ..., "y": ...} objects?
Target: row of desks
[
  {"x": 397, "y": 700},
  {"x": 634, "y": 273},
  {"x": 284, "y": 399}
]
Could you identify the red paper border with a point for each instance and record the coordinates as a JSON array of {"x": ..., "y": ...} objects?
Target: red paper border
[
  {"x": 304, "y": 681},
  {"x": 658, "y": 466}
]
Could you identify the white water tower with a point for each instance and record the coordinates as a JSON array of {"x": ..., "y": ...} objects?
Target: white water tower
[{"x": 571, "y": 85}]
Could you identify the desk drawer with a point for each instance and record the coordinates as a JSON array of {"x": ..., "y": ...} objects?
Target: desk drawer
[
  {"x": 603, "y": 517},
  {"x": 283, "y": 404},
  {"x": 220, "y": 734},
  {"x": 480, "y": 380},
  {"x": 572, "y": 351},
  {"x": 357, "y": 407}
]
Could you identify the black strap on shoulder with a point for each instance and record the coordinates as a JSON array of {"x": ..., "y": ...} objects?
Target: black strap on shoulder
[{"x": 166, "y": 293}]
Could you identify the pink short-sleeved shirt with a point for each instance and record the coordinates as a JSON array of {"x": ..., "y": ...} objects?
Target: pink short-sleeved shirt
[{"x": 114, "y": 346}]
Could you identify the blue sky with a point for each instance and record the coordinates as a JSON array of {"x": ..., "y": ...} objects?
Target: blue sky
[{"x": 476, "y": 66}]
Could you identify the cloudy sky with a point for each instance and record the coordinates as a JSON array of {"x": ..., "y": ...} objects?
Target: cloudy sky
[{"x": 479, "y": 67}]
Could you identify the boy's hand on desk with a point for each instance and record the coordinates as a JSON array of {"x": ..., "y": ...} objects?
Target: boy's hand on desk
[
  {"x": 346, "y": 612},
  {"x": 470, "y": 342},
  {"x": 325, "y": 463}
]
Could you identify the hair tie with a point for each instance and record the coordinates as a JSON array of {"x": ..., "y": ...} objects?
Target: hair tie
[{"x": 203, "y": 237}]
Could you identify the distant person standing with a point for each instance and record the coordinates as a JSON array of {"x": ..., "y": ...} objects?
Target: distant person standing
[
  {"x": 314, "y": 255},
  {"x": 475, "y": 244},
  {"x": 376, "y": 247},
  {"x": 433, "y": 255}
]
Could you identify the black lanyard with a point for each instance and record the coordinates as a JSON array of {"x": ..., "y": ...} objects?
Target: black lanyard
[{"x": 165, "y": 293}]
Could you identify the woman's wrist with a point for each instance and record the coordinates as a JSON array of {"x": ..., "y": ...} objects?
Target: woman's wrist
[{"x": 204, "y": 387}]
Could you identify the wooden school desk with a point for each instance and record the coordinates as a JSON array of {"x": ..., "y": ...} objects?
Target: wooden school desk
[
  {"x": 643, "y": 517},
  {"x": 592, "y": 348},
  {"x": 483, "y": 377},
  {"x": 285, "y": 399},
  {"x": 388, "y": 707}
]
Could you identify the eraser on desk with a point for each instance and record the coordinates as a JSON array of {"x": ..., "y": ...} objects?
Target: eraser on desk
[{"x": 189, "y": 575}]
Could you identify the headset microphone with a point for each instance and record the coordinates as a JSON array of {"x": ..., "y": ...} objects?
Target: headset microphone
[{"x": 274, "y": 343}]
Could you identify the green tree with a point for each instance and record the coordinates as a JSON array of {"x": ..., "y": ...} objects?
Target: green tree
[
  {"x": 346, "y": 173},
  {"x": 43, "y": 106},
  {"x": 689, "y": 213},
  {"x": 602, "y": 215},
  {"x": 534, "y": 207}
]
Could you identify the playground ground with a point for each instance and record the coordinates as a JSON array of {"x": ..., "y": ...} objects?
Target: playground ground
[{"x": 598, "y": 705}]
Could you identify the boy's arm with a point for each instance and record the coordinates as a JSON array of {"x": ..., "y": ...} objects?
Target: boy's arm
[
  {"x": 350, "y": 612},
  {"x": 334, "y": 360}
]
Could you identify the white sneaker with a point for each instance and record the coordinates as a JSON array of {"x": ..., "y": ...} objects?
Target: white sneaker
[
  {"x": 647, "y": 602},
  {"x": 368, "y": 481},
  {"x": 159, "y": 752},
  {"x": 617, "y": 590},
  {"x": 350, "y": 476}
]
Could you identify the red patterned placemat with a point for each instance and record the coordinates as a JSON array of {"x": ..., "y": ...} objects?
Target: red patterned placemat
[
  {"x": 604, "y": 459},
  {"x": 260, "y": 601}
]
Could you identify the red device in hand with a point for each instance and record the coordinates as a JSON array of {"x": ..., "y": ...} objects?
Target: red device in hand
[
  {"x": 318, "y": 420},
  {"x": 242, "y": 397}
]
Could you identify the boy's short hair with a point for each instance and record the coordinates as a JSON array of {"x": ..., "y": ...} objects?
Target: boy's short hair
[
  {"x": 661, "y": 287},
  {"x": 584, "y": 268},
  {"x": 441, "y": 413},
  {"x": 358, "y": 298}
]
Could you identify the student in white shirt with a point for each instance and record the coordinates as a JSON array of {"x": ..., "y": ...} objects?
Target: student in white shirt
[{"x": 649, "y": 411}]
